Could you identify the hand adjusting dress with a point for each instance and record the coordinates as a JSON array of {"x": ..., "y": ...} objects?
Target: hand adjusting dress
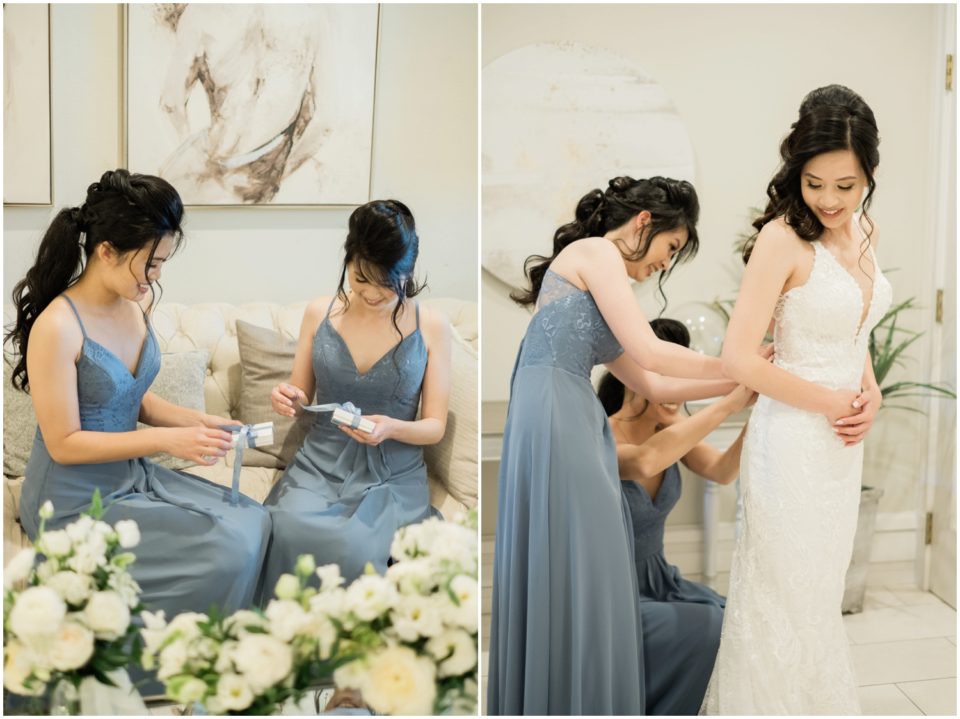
[
  {"x": 340, "y": 500},
  {"x": 569, "y": 632},
  {"x": 783, "y": 649},
  {"x": 196, "y": 550}
]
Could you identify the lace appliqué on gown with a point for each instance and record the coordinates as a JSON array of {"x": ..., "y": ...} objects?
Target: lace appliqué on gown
[{"x": 783, "y": 648}]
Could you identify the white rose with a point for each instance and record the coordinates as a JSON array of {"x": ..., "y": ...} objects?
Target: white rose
[
  {"x": 188, "y": 691},
  {"x": 320, "y": 627},
  {"x": 186, "y": 623},
  {"x": 19, "y": 567},
  {"x": 173, "y": 658},
  {"x": 463, "y": 615},
  {"x": 332, "y": 604},
  {"x": 84, "y": 561},
  {"x": 79, "y": 529},
  {"x": 288, "y": 587},
  {"x": 412, "y": 576},
  {"x": 455, "y": 650},
  {"x": 73, "y": 587},
  {"x": 224, "y": 663},
  {"x": 55, "y": 544},
  {"x": 123, "y": 584},
  {"x": 46, "y": 510},
  {"x": 72, "y": 647},
  {"x": 350, "y": 675},
  {"x": 238, "y": 622},
  {"x": 400, "y": 682},
  {"x": 416, "y": 616},
  {"x": 286, "y": 618},
  {"x": 370, "y": 596},
  {"x": 233, "y": 693},
  {"x": 17, "y": 666},
  {"x": 96, "y": 542},
  {"x": 37, "y": 613},
  {"x": 128, "y": 533},
  {"x": 330, "y": 577},
  {"x": 263, "y": 660},
  {"x": 306, "y": 564},
  {"x": 47, "y": 569},
  {"x": 107, "y": 615}
]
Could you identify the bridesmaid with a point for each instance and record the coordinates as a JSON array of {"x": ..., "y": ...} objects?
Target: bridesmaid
[
  {"x": 87, "y": 354},
  {"x": 651, "y": 438},
  {"x": 347, "y": 491}
]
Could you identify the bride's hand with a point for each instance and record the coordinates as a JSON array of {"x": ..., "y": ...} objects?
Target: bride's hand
[
  {"x": 286, "y": 400},
  {"x": 854, "y": 428},
  {"x": 842, "y": 405}
]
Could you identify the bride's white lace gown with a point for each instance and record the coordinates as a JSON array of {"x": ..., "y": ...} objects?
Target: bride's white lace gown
[{"x": 783, "y": 649}]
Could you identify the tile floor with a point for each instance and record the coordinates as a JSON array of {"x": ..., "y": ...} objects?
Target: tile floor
[{"x": 904, "y": 642}]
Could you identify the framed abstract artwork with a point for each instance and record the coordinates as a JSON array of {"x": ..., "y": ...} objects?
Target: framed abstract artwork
[
  {"x": 27, "y": 170},
  {"x": 253, "y": 104}
]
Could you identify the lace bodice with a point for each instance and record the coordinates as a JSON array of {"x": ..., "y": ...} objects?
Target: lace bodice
[
  {"x": 817, "y": 330},
  {"x": 390, "y": 387},
  {"x": 108, "y": 395},
  {"x": 567, "y": 331}
]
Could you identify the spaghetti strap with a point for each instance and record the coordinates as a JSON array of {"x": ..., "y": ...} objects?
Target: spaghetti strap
[
  {"x": 417, "y": 305},
  {"x": 74, "y": 308},
  {"x": 330, "y": 307}
]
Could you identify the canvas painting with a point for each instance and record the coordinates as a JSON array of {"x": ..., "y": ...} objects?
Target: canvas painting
[
  {"x": 26, "y": 105},
  {"x": 253, "y": 104}
]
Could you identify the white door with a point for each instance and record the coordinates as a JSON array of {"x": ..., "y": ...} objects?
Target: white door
[{"x": 943, "y": 455}]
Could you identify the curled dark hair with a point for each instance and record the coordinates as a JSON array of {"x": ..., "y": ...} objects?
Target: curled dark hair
[
  {"x": 671, "y": 203},
  {"x": 129, "y": 211},
  {"x": 611, "y": 391},
  {"x": 382, "y": 241},
  {"x": 831, "y": 118}
]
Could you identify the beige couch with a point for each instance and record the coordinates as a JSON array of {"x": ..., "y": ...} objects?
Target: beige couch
[{"x": 451, "y": 464}]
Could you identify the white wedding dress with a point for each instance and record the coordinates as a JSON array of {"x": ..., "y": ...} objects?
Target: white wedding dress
[{"x": 783, "y": 649}]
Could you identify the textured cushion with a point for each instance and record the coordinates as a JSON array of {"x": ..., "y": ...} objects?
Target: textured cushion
[
  {"x": 266, "y": 359},
  {"x": 453, "y": 460},
  {"x": 180, "y": 381},
  {"x": 19, "y": 426}
]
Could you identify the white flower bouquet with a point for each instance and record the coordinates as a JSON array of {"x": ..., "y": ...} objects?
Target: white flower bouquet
[
  {"x": 250, "y": 662},
  {"x": 414, "y": 629},
  {"x": 68, "y": 618},
  {"x": 407, "y": 640}
]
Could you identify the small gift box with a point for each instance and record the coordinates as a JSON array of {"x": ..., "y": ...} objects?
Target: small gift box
[
  {"x": 258, "y": 435},
  {"x": 348, "y": 419}
]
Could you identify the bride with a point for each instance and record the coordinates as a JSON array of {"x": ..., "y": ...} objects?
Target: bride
[{"x": 812, "y": 267}]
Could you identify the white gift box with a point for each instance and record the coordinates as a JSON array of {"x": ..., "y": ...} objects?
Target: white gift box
[
  {"x": 258, "y": 435},
  {"x": 343, "y": 417}
]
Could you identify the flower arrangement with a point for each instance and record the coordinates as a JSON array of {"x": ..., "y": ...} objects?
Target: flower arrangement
[
  {"x": 69, "y": 617},
  {"x": 406, "y": 640}
]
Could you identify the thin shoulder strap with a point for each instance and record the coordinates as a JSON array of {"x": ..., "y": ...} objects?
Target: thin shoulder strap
[
  {"x": 74, "y": 308},
  {"x": 417, "y": 305},
  {"x": 330, "y": 306}
]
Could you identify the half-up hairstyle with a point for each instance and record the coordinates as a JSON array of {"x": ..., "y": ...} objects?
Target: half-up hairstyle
[
  {"x": 611, "y": 391},
  {"x": 831, "y": 118},
  {"x": 672, "y": 204},
  {"x": 129, "y": 211},
  {"x": 382, "y": 241}
]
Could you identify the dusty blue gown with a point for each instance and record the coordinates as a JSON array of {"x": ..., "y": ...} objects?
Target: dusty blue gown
[
  {"x": 693, "y": 613},
  {"x": 196, "y": 549},
  {"x": 568, "y": 629},
  {"x": 340, "y": 500}
]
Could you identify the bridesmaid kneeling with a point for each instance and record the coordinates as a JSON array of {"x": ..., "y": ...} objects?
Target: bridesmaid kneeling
[
  {"x": 651, "y": 438},
  {"x": 87, "y": 354},
  {"x": 347, "y": 491}
]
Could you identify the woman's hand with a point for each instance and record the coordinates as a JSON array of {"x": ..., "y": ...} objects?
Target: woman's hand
[
  {"x": 741, "y": 398},
  {"x": 216, "y": 422},
  {"x": 841, "y": 405},
  {"x": 286, "y": 399},
  {"x": 200, "y": 445},
  {"x": 383, "y": 428},
  {"x": 853, "y": 429}
]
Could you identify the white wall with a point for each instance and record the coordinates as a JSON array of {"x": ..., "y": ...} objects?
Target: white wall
[
  {"x": 737, "y": 74},
  {"x": 424, "y": 153}
]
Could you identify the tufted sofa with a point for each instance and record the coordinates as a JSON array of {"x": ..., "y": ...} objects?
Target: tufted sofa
[{"x": 451, "y": 465}]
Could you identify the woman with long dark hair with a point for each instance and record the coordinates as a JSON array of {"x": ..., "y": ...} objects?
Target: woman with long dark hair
[
  {"x": 347, "y": 490},
  {"x": 87, "y": 353},
  {"x": 566, "y": 634},
  {"x": 812, "y": 267}
]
